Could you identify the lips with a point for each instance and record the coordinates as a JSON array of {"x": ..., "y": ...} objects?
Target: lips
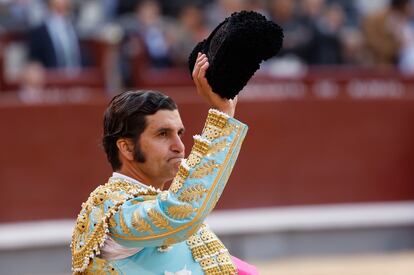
[{"x": 176, "y": 159}]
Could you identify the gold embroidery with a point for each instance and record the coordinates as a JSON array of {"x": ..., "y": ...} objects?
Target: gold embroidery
[
  {"x": 86, "y": 245},
  {"x": 180, "y": 211},
  {"x": 198, "y": 249},
  {"x": 140, "y": 224},
  {"x": 215, "y": 246},
  {"x": 216, "y": 119},
  {"x": 100, "y": 267},
  {"x": 235, "y": 146},
  {"x": 80, "y": 257},
  {"x": 158, "y": 219},
  {"x": 82, "y": 223},
  {"x": 210, "y": 253},
  {"x": 214, "y": 270},
  {"x": 122, "y": 223},
  {"x": 201, "y": 147},
  {"x": 97, "y": 214},
  {"x": 123, "y": 185},
  {"x": 215, "y": 126},
  {"x": 116, "y": 197},
  {"x": 149, "y": 197},
  {"x": 223, "y": 259},
  {"x": 100, "y": 195},
  {"x": 112, "y": 222},
  {"x": 193, "y": 159},
  {"x": 227, "y": 130},
  {"x": 211, "y": 132},
  {"x": 182, "y": 172},
  {"x": 199, "y": 150},
  {"x": 217, "y": 147},
  {"x": 133, "y": 202},
  {"x": 225, "y": 263},
  {"x": 193, "y": 193},
  {"x": 204, "y": 170},
  {"x": 208, "y": 263},
  {"x": 176, "y": 184},
  {"x": 179, "y": 179}
]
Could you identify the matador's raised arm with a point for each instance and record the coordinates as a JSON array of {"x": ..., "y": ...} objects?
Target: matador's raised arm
[{"x": 138, "y": 217}]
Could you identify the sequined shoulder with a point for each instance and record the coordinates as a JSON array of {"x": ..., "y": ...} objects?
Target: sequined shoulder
[{"x": 92, "y": 222}]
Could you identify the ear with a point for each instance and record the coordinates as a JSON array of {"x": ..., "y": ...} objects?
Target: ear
[{"x": 126, "y": 148}]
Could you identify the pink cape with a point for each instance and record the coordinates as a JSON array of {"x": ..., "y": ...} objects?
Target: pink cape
[{"x": 244, "y": 268}]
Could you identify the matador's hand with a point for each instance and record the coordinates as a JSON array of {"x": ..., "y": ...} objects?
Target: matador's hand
[{"x": 227, "y": 106}]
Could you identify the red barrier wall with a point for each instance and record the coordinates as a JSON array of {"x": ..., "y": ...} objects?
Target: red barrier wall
[{"x": 303, "y": 151}]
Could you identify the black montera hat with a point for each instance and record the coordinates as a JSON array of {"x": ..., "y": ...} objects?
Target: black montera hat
[{"x": 235, "y": 49}]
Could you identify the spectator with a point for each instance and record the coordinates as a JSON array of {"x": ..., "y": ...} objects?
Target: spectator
[
  {"x": 386, "y": 32},
  {"x": 327, "y": 43},
  {"x": 32, "y": 84},
  {"x": 351, "y": 12},
  {"x": 297, "y": 35},
  {"x": 191, "y": 29},
  {"x": 406, "y": 55},
  {"x": 148, "y": 25},
  {"x": 94, "y": 16},
  {"x": 353, "y": 49},
  {"x": 18, "y": 15},
  {"x": 54, "y": 43},
  {"x": 324, "y": 23}
]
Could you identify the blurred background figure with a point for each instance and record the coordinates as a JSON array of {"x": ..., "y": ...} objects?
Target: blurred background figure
[
  {"x": 190, "y": 29},
  {"x": 297, "y": 35},
  {"x": 54, "y": 43},
  {"x": 32, "y": 84},
  {"x": 18, "y": 15},
  {"x": 323, "y": 23},
  {"x": 94, "y": 15},
  {"x": 147, "y": 25},
  {"x": 406, "y": 26},
  {"x": 146, "y": 38},
  {"x": 389, "y": 33}
]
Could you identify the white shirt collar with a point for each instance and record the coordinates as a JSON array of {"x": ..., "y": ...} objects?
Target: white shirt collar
[{"x": 119, "y": 176}]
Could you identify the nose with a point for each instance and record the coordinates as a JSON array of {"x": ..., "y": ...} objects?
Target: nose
[{"x": 177, "y": 145}]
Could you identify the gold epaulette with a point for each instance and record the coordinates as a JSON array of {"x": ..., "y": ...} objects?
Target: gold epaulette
[{"x": 92, "y": 223}]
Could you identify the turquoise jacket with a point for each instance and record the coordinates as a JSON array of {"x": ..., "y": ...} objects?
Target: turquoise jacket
[{"x": 168, "y": 225}]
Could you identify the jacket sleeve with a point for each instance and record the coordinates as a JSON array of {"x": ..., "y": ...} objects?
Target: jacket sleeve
[{"x": 174, "y": 215}]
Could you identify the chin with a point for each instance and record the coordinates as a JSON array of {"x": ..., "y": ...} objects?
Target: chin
[{"x": 175, "y": 171}]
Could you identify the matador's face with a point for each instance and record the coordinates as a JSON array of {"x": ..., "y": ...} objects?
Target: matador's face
[{"x": 161, "y": 146}]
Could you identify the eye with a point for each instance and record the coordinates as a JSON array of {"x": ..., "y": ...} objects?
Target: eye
[{"x": 163, "y": 134}]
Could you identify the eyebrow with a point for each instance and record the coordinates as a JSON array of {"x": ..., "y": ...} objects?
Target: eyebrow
[{"x": 162, "y": 129}]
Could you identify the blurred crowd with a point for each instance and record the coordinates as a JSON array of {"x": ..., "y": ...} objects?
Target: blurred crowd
[{"x": 377, "y": 33}]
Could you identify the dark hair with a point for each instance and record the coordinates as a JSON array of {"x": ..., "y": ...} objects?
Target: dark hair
[{"x": 125, "y": 118}]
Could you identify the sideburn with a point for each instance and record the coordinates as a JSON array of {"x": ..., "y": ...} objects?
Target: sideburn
[{"x": 138, "y": 154}]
